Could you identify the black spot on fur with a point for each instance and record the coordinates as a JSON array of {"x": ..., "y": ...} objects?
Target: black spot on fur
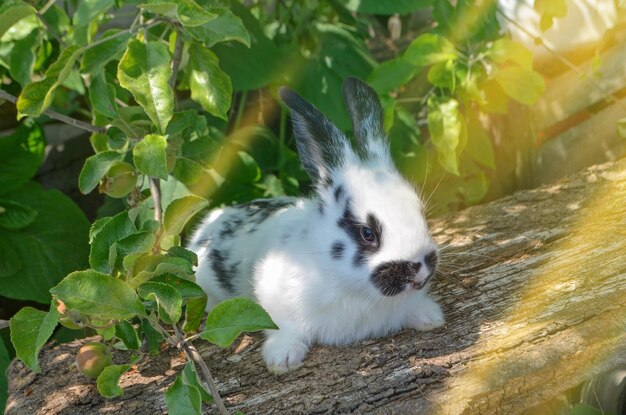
[
  {"x": 230, "y": 227},
  {"x": 352, "y": 227},
  {"x": 320, "y": 207},
  {"x": 336, "y": 250},
  {"x": 338, "y": 193},
  {"x": 358, "y": 259},
  {"x": 392, "y": 277},
  {"x": 224, "y": 273},
  {"x": 258, "y": 211},
  {"x": 327, "y": 182}
]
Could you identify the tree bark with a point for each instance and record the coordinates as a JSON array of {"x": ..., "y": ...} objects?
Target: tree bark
[{"x": 534, "y": 293}]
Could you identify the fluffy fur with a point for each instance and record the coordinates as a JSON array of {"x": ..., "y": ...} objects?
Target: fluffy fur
[{"x": 349, "y": 263}]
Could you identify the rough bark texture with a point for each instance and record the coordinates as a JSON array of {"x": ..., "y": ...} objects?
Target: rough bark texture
[{"x": 535, "y": 299}]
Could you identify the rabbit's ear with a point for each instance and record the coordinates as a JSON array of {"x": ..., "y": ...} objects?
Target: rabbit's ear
[
  {"x": 321, "y": 146},
  {"x": 367, "y": 120}
]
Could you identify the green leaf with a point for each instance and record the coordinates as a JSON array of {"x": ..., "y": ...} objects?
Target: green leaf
[
  {"x": 22, "y": 58},
  {"x": 187, "y": 289},
  {"x": 95, "y": 168},
  {"x": 210, "y": 86},
  {"x": 57, "y": 19},
  {"x": 180, "y": 211},
  {"x": 102, "y": 97},
  {"x": 108, "y": 381},
  {"x": 506, "y": 50},
  {"x": 107, "y": 333},
  {"x": 37, "y": 96},
  {"x": 187, "y": 171},
  {"x": 225, "y": 27},
  {"x": 193, "y": 296},
  {"x": 495, "y": 100},
  {"x": 89, "y": 10},
  {"x": 15, "y": 215},
  {"x": 136, "y": 243},
  {"x": 145, "y": 70},
  {"x": 30, "y": 330},
  {"x": 391, "y": 74},
  {"x": 386, "y": 7},
  {"x": 230, "y": 318},
  {"x": 48, "y": 248},
  {"x": 92, "y": 293},
  {"x": 180, "y": 252},
  {"x": 127, "y": 333},
  {"x": 442, "y": 75},
  {"x": 447, "y": 128},
  {"x": 428, "y": 49},
  {"x": 523, "y": 85},
  {"x": 194, "y": 312},
  {"x": 115, "y": 229},
  {"x": 96, "y": 57},
  {"x": 150, "y": 157},
  {"x": 187, "y": 12},
  {"x": 21, "y": 153},
  {"x": 152, "y": 336},
  {"x": 190, "y": 377},
  {"x": 182, "y": 398},
  {"x": 253, "y": 67},
  {"x": 11, "y": 12},
  {"x": 168, "y": 299},
  {"x": 548, "y": 10},
  {"x": 149, "y": 266}
]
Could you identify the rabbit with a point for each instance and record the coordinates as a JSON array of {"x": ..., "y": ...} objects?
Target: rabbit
[{"x": 351, "y": 262}]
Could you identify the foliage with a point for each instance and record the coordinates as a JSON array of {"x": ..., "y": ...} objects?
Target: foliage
[{"x": 170, "y": 100}]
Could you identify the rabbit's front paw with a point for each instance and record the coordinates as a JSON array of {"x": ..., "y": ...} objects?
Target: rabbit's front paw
[
  {"x": 426, "y": 315},
  {"x": 283, "y": 353}
]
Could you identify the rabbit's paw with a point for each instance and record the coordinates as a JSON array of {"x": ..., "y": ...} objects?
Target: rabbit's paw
[
  {"x": 283, "y": 353},
  {"x": 426, "y": 315}
]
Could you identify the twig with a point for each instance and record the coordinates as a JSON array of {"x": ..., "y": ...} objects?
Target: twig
[
  {"x": 132, "y": 30},
  {"x": 61, "y": 117},
  {"x": 193, "y": 353},
  {"x": 45, "y": 8},
  {"x": 155, "y": 191},
  {"x": 178, "y": 52}
]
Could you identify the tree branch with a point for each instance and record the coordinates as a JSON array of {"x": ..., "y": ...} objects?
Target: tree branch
[
  {"x": 60, "y": 117},
  {"x": 178, "y": 51},
  {"x": 193, "y": 353},
  {"x": 155, "y": 191}
]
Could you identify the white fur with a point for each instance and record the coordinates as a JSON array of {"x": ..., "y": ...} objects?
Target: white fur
[{"x": 287, "y": 268}]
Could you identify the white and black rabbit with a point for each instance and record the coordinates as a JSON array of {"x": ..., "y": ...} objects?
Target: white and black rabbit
[{"x": 351, "y": 262}]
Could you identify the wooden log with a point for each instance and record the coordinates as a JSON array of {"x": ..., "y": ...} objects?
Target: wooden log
[{"x": 535, "y": 298}]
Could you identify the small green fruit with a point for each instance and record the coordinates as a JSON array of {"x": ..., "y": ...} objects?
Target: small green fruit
[
  {"x": 92, "y": 358},
  {"x": 120, "y": 180}
]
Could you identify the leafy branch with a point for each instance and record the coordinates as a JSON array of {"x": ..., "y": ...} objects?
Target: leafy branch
[{"x": 60, "y": 117}]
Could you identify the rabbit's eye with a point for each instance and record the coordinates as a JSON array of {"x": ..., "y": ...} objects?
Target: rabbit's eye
[{"x": 367, "y": 234}]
